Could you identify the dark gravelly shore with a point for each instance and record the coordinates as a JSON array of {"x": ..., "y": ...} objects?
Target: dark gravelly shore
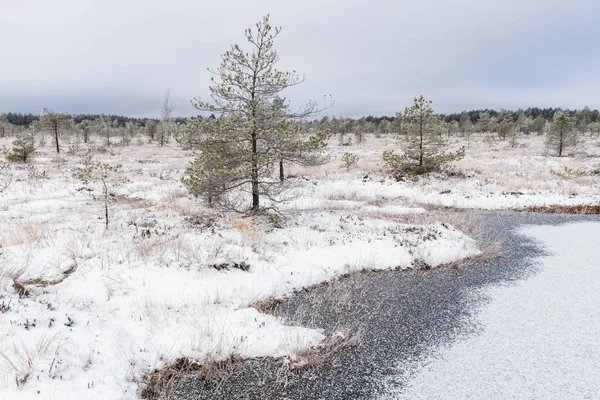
[{"x": 403, "y": 316}]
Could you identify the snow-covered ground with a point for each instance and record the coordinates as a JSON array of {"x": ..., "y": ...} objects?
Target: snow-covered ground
[
  {"x": 538, "y": 337},
  {"x": 105, "y": 307},
  {"x": 493, "y": 175}
]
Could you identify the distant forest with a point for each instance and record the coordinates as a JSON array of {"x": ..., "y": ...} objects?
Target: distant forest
[
  {"x": 590, "y": 116},
  {"x": 19, "y": 119}
]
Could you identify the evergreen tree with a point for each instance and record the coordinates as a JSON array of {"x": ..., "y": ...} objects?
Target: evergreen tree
[
  {"x": 55, "y": 122},
  {"x": 107, "y": 177},
  {"x": 152, "y": 130},
  {"x": 466, "y": 127},
  {"x": 426, "y": 145},
  {"x": 562, "y": 133},
  {"x": 398, "y": 122},
  {"x": 104, "y": 124},
  {"x": 22, "y": 150},
  {"x": 506, "y": 124},
  {"x": 166, "y": 113},
  {"x": 484, "y": 122},
  {"x": 253, "y": 133},
  {"x": 85, "y": 127}
]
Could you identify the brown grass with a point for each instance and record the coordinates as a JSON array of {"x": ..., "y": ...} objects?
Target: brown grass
[
  {"x": 22, "y": 234},
  {"x": 275, "y": 373},
  {"x": 556, "y": 209},
  {"x": 468, "y": 223},
  {"x": 44, "y": 283},
  {"x": 325, "y": 354},
  {"x": 160, "y": 384},
  {"x": 268, "y": 305}
]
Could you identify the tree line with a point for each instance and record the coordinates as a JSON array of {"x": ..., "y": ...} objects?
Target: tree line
[
  {"x": 20, "y": 119},
  {"x": 383, "y": 124}
]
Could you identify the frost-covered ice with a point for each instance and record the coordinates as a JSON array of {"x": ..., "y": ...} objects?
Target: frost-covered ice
[{"x": 539, "y": 337}]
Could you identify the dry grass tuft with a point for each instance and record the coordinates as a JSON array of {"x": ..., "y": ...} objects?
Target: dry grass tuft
[
  {"x": 268, "y": 305},
  {"x": 557, "y": 209},
  {"x": 21, "y": 357},
  {"x": 22, "y": 234},
  {"x": 159, "y": 383},
  {"x": 324, "y": 355},
  {"x": 215, "y": 378},
  {"x": 334, "y": 301},
  {"x": 469, "y": 223},
  {"x": 44, "y": 283},
  {"x": 252, "y": 229}
]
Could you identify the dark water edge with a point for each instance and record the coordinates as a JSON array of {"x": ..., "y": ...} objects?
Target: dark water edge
[{"x": 403, "y": 316}]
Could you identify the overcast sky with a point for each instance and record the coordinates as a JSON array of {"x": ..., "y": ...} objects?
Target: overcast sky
[{"x": 373, "y": 57}]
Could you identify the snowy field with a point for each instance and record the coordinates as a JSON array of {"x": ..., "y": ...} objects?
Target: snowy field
[
  {"x": 493, "y": 175},
  {"x": 539, "y": 337},
  {"x": 86, "y": 312}
]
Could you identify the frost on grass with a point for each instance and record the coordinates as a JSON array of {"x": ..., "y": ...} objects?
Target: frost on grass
[
  {"x": 86, "y": 312},
  {"x": 492, "y": 175}
]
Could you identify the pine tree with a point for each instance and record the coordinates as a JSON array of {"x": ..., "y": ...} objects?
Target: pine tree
[
  {"x": 253, "y": 133},
  {"x": 166, "y": 113},
  {"x": 506, "y": 124},
  {"x": 22, "y": 150},
  {"x": 107, "y": 177},
  {"x": 562, "y": 133},
  {"x": 55, "y": 122},
  {"x": 466, "y": 127},
  {"x": 426, "y": 145},
  {"x": 398, "y": 122},
  {"x": 484, "y": 123},
  {"x": 85, "y": 126}
]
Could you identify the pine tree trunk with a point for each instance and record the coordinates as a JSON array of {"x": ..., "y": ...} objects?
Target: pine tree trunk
[
  {"x": 56, "y": 138},
  {"x": 560, "y": 145},
  {"x": 254, "y": 173},
  {"x": 421, "y": 141},
  {"x": 105, "y": 203}
]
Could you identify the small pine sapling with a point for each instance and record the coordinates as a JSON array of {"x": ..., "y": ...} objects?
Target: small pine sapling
[
  {"x": 349, "y": 160},
  {"x": 359, "y": 134},
  {"x": 23, "y": 149},
  {"x": 426, "y": 150},
  {"x": 107, "y": 177}
]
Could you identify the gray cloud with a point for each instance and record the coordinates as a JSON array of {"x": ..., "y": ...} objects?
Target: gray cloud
[{"x": 84, "y": 56}]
